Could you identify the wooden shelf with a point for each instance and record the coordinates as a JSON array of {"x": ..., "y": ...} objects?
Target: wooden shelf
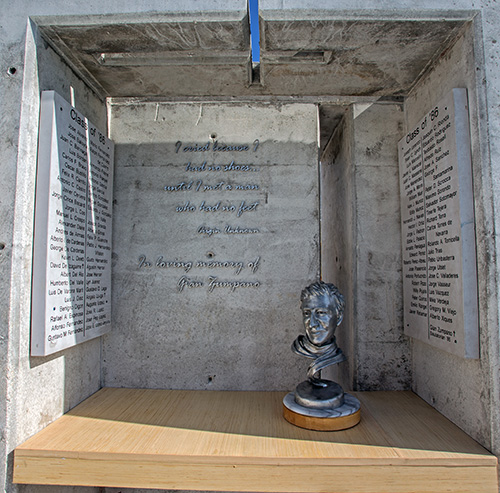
[{"x": 239, "y": 441}]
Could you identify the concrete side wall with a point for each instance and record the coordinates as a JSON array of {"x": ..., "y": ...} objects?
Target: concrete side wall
[
  {"x": 11, "y": 56},
  {"x": 41, "y": 389},
  {"x": 463, "y": 390},
  {"x": 383, "y": 351},
  {"x": 361, "y": 249},
  {"x": 337, "y": 236}
]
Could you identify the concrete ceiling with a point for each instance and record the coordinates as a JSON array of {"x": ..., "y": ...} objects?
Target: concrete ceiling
[
  {"x": 158, "y": 55},
  {"x": 182, "y": 55},
  {"x": 179, "y": 55},
  {"x": 330, "y": 115},
  {"x": 362, "y": 57}
]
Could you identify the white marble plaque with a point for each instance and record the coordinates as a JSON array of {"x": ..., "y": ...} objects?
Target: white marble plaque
[
  {"x": 438, "y": 235},
  {"x": 71, "y": 300}
]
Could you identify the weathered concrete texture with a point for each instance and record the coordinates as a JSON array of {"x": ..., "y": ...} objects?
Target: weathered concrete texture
[
  {"x": 310, "y": 52},
  {"x": 156, "y": 54},
  {"x": 319, "y": 53},
  {"x": 463, "y": 390},
  {"x": 330, "y": 117},
  {"x": 40, "y": 389},
  {"x": 489, "y": 194},
  {"x": 360, "y": 206},
  {"x": 10, "y": 87},
  {"x": 171, "y": 335},
  {"x": 337, "y": 221},
  {"x": 390, "y": 8},
  {"x": 227, "y": 28}
]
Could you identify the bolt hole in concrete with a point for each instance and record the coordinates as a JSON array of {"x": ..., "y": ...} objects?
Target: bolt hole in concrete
[
  {"x": 213, "y": 136},
  {"x": 2, "y": 246},
  {"x": 12, "y": 70}
]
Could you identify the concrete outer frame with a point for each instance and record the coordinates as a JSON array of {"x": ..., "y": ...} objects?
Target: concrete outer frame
[{"x": 17, "y": 143}]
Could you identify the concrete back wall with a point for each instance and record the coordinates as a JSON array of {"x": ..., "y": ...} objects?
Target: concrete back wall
[{"x": 168, "y": 334}]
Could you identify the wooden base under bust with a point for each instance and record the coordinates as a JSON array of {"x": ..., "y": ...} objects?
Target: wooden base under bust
[{"x": 321, "y": 424}]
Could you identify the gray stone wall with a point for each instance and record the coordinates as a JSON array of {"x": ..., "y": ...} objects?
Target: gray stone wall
[
  {"x": 463, "y": 389},
  {"x": 175, "y": 202},
  {"x": 337, "y": 232},
  {"x": 361, "y": 248},
  {"x": 41, "y": 389},
  {"x": 383, "y": 360}
]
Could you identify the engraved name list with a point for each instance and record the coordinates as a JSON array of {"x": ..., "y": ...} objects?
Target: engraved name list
[
  {"x": 439, "y": 274},
  {"x": 72, "y": 245}
]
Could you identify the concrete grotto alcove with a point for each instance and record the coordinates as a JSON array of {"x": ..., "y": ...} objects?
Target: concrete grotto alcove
[
  {"x": 321, "y": 126},
  {"x": 177, "y": 58}
]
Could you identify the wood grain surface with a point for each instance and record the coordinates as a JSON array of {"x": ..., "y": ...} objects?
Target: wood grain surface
[{"x": 239, "y": 441}]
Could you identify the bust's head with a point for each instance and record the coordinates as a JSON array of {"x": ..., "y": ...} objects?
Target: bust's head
[{"x": 322, "y": 311}]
